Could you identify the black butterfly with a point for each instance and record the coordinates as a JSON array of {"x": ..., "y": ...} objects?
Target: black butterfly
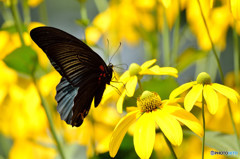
[{"x": 84, "y": 73}]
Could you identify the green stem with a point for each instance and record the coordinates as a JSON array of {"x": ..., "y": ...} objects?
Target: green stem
[
  {"x": 153, "y": 38},
  {"x": 83, "y": 11},
  {"x": 236, "y": 56},
  {"x": 170, "y": 147},
  {"x": 6, "y": 14},
  {"x": 233, "y": 124},
  {"x": 140, "y": 85},
  {"x": 101, "y": 5},
  {"x": 50, "y": 120},
  {"x": 93, "y": 143},
  {"x": 203, "y": 118},
  {"x": 17, "y": 20},
  {"x": 84, "y": 16},
  {"x": 213, "y": 47},
  {"x": 176, "y": 37},
  {"x": 26, "y": 12},
  {"x": 43, "y": 12},
  {"x": 166, "y": 45}
]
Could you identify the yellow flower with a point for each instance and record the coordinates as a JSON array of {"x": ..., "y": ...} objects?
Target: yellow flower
[
  {"x": 34, "y": 3},
  {"x": 218, "y": 20},
  {"x": 229, "y": 81},
  {"x": 136, "y": 18},
  {"x": 10, "y": 41},
  {"x": 22, "y": 115},
  {"x": 10, "y": 78},
  {"x": 96, "y": 130},
  {"x": 151, "y": 110},
  {"x": 235, "y": 8},
  {"x": 209, "y": 90},
  {"x": 221, "y": 118},
  {"x": 28, "y": 149},
  {"x": 48, "y": 83},
  {"x": 135, "y": 73}
]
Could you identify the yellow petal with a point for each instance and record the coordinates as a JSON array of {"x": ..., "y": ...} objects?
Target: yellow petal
[
  {"x": 169, "y": 126},
  {"x": 131, "y": 86},
  {"x": 235, "y": 9},
  {"x": 124, "y": 77},
  {"x": 120, "y": 131},
  {"x": 147, "y": 64},
  {"x": 192, "y": 96},
  {"x": 186, "y": 118},
  {"x": 92, "y": 35},
  {"x": 226, "y": 91},
  {"x": 156, "y": 70},
  {"x": 120, "y": 101},
  {"x": 144, "y": 135},
  {"x": 211, "y": 99},
  {"x": 176, "y": 92},
  {"x": 131, "y": 108}
]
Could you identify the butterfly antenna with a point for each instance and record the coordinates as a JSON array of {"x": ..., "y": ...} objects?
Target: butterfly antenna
[
  {"x": 119, "y": 93},
  {"x": 115, "y": 52}
]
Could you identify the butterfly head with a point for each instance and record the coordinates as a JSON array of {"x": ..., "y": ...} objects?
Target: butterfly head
[{"x": 109, "y": 73}]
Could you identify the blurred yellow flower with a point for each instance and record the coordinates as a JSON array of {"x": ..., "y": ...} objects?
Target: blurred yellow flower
[
  {"x": 22, "y": 116},
  {"x": 170, "y": 9},
  {"x": 96, "y": 130},
  {"x": 192, "y": 148},
  {"x": 229, "y": 81},
  {"x": 218, "y": 20},
  {"x": 210, "y": 91},
  {"x": 23, "y": 148},
  {"x": 47, "y": 83},
  {"x": 235, "y": 8},
  {"x": 10, "y": 41},
  {"x": 221, "y": 118},
  {"x": 135, "y": 73},
  {"x": 34, "y": 3},
  {"x": 151, "y": 110},
  {"x": 126, "y": 20},
  {"x": 10, "y": 78}
]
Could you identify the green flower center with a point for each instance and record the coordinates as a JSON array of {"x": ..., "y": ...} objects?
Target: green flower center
[
  {"x": 203, "y": 78},
  {"x": 134, "y": 69},
  {"x": 149, "y": 101}
]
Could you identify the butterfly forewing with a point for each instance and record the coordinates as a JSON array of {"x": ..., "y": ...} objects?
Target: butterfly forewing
[{"x": 85, "y": 74}]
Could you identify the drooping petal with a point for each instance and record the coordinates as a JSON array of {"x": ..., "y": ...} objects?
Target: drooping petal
[
  {"x": 185, "y": 117},
  {"x": 169, "y": 126},
  {"x": 124, "y": 77},
  {"x": 226, "y": 91},
  {"x": 147, "y": 64},
  {"x": 211, "y": 98},
  {"x": 144, "y": 136},
  {"x": 176, "y": 92},
  {"x": 156, "y": 70},
  {"x": 192, "y": 96},
  {"x": 120, "y": 131},
  {"x": 131, "y": 108},
  {"x": 131, "y": 86},
  {"x": 120, "y": 101}
]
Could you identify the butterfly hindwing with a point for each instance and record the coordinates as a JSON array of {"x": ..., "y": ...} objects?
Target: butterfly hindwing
[{"x": 84, "y": 73}]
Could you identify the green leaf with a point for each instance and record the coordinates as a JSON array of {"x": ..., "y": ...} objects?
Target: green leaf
[
  {"x": 82, "y": 22},
  {"x": 162, "y": 86},
  {"x": 5, "y": 146},
  {"x": 189, "y": 57},
  {"x": 221, "y": 141},
  {"x": 23, "y": 60}
]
